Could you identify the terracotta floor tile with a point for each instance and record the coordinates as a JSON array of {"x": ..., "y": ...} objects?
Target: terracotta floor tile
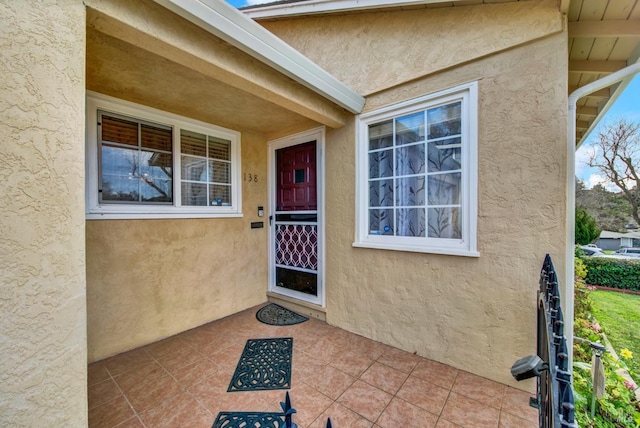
[
  {"x": 308, "y": 403},
  {"x": 228, "y": 358},
  {"x": 181, "y": 410},
  {"x": 480, "y": 389},
  {"x": 236, "y": 402},
  {"x": 127, "y": 361},
  {"x": 400, "y": 413},
  {"x": 102, "y": 392},
  {"x": 367, "y": 347},
  {"x": 516, "y": 402},
  {"x": 133, "y": 422},
  {"x": 351, "y": 363},
  {"x": 443, "y": 423},
  {"x": 195, "y": 372},
  {"x": 508, "y": 420},
  {"x": 423, "y": 394},
  {"x": 340, "y": 417},
  {"x": 164, "y": 347},
  {"x": 330, "y": 381},
  {"x": 470, "y": 413},
  {"x": 152, "y": 391},
  {"x": 144, "y": 373},
  {"x": 384, "y": 377},
  {"x": 110, "y": 414},
  {"x": 212, "y": 388},
  {"x": 366, "y": 400},
  {"x": 179, "y": 358},
  {"x": 434, "y": 372},
  {"x": 399, "y": 360},
  {"x": 96, "y": 373},
  {"x": 323, "y": 350}
]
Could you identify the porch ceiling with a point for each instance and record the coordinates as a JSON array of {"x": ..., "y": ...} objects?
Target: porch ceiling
[
  {"x": 143, "y": 52},
  {"x": 604, "y": 36},
  {"x": 125, "y": 71}
]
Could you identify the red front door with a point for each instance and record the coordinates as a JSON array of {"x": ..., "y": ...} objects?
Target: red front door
[
  {"x": 296, "y": 222},
  {"x": 296, "y": 187}
]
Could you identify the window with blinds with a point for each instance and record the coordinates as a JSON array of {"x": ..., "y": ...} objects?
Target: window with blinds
[{"x": 146, "y": 163}]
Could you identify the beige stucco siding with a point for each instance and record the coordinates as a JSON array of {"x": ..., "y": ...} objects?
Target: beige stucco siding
[
  {"x": 477, "y": 314},
  {"x": 42, "y": 281},
  {"x": 371, "y": 52},
  {"x": 150, "y": 279}
]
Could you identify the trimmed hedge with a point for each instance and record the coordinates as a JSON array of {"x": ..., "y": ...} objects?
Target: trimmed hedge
[{"x": 614, "y": 273}]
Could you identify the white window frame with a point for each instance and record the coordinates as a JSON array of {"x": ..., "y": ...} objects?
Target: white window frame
[
  {"x": 95, "y": 210},
  {"x": 467, "y": 246}
]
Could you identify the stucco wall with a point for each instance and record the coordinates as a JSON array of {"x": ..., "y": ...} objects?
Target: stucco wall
[
  {"x": 377, "y": 50},
  {"x": 477, "y": 314},
  {"x": 42, "y": 279},
  {"x": 149, "y": 279}
]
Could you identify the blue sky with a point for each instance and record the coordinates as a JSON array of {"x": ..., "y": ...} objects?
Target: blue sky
[
  {"x": 240, "y": 3},
  {"x": 627, "y": 106}
]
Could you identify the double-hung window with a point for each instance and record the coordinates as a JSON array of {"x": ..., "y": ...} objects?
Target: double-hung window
[
  {"x": 417, "y": 175},
  {"x": 145, "y": 163}
]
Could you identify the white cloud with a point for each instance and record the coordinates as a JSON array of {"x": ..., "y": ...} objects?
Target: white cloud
[{"x": 595, "y": 179}]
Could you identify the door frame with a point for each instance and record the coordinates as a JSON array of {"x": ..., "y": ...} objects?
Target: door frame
[{"x": 317, "y": 135}]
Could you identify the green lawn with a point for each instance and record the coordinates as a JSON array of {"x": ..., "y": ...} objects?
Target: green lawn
[{"x": 619, "y": 315}]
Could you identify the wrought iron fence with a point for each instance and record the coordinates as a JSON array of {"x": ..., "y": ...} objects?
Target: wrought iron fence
[{"x": 554, "y": 391}]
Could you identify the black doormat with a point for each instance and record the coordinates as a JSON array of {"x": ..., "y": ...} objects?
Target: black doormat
[
  {"x": 265, "y": 364},
  {"x": 277, "y": 315},
  {"x": 249, "y": 419}
]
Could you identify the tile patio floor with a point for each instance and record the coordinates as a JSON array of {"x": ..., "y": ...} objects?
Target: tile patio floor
[{"x": 182, "y": 382}]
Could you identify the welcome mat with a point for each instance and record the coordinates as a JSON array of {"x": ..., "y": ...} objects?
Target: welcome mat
[
  {"x": 265, "y": 364},
  {"x": 277, "y": 315},
  {"x": 258, "y": 419}
]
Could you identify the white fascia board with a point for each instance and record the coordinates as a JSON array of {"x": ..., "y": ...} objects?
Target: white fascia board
[
  {"x": 226, "y": 22},
  {"x": 310, "y": 7}
]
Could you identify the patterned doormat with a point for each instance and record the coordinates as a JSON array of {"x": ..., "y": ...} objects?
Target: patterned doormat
[
  {"x": 265, "y": 364},
  {"x": 249, "y": 419},
  {"x": 277, "y": 315}
]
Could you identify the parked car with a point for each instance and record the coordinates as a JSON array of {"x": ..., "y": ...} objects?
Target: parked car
[
  {"x": 588, "y": 251},
  {"x": 630, "y": 252}
]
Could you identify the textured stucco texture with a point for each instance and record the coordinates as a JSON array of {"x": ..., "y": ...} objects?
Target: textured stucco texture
[
  {"x": 477, "y": 314},
  {"x": 150, "y": 279},
  {"x": 42, "y": 277}
]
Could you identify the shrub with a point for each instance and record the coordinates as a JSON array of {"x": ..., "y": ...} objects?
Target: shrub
[{"x": 614, "y": 273}]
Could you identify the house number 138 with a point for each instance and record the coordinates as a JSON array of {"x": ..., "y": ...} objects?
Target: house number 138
[{"x": 251, "y": 177}]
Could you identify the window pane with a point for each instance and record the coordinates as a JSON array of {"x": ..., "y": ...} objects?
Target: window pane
[
  {"x": 411, "y": 222},
  {"x": 444, "y": 120},
  {"x": 220, "y": 172},
  {"x": 220, "y": 195},
  {"x": 410, "y": 191},
  {"x": 381, "y": 193},
  {"x": 118, "y": 130},
  {"x": 193, "y": 143},
  {"x": 219, "y": 148},
  {"x": 445, "y": 223},
  {"x": 410, "y": 128},
  {"x": 445, "y": 155},
  {"x": 410, "y": 160},
  {"x": 194, "y": 194},
  {"x": 381, "y": 164},
  {"x": 193, "y": 169},
  {"x": 381, "y": 135},
  {"x": 381, "y": 222},
  {"x": 444, "y": 189},
  {"x": 156, "y": 138},
  {"x": 120, "y": 169}
]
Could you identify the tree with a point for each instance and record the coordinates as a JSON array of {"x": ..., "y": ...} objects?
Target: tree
[
  {"x": 610, "y": 210},
  {"x": 586, "y": 228},
  {"x": 619, "y": 159}
]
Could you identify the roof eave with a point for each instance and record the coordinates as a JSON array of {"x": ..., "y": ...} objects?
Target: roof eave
[
  {"x": 312, "y": 7},
  {"x": 232, "y": 26}
]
